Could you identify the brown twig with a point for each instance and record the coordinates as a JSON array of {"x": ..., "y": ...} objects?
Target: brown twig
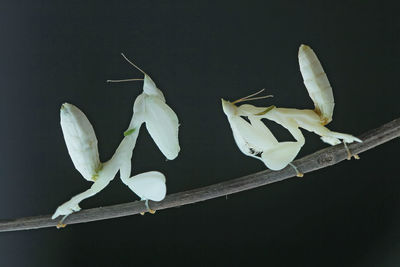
[{"x": 320, "y": 159}]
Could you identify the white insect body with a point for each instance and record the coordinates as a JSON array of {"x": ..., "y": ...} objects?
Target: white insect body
[
  {"x": 162, "y": 123},
  {"x": 256, "y": 140},
  {"x": 317, "y": 83}
]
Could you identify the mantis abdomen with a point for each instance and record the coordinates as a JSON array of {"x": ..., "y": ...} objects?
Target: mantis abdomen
[{"x": 317, "y": 83}]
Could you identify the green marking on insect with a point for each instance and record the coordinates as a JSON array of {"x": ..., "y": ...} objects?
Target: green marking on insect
[
  {"x": 129, "y": 132},
  {"x": 96, "y": 174},
  {"x": 268, "y": 109},
  {"x": 95, "y": 177}
]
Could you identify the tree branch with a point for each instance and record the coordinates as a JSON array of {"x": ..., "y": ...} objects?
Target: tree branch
[{"x": 320, "y": 159}]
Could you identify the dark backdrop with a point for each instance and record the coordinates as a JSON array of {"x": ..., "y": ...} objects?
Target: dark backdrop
[{"x": 198, "y": 52}]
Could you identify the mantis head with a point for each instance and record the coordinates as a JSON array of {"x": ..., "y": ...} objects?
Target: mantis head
[
  {"x": 228, "y": 107},
  {"x": 149, "y": 87}
]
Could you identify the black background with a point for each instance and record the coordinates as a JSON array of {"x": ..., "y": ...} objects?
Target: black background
[{"x": 197, "y": 52}]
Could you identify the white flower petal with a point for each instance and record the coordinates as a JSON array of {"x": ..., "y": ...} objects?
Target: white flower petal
[
  {"x": 81, "y": 141},
  {"x": 148, "y": 185}
]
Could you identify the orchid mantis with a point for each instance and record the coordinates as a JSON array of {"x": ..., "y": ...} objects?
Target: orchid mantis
[
  {"x": 254, "y": 139},
  {"x": 161, "y": 122}
]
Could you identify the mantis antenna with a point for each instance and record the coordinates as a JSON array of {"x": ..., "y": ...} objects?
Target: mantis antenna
[
  {"x": 130, "y": 62},
  {"x": 248, "y": 98},
  {"x": 128, "y": 80},
  {"x": 124, "y": 80}
]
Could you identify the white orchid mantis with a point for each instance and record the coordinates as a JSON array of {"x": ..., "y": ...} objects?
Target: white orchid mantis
[
  {"x": 161, "y": 122},
  {"x": 256, "y": 140}
]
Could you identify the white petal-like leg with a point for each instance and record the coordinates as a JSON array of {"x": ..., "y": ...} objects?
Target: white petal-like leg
[
  {"x": 281, "y": 154},
  {"x": 253, "y": 133},
  {"x": 148, "y": 185},
  {"x": 345, "y": 137},
  {"x": 258, "y": 137},
  {"x": 263, "y": 130},
  {"x": 329, "y": 136},
  {"x": 330, "y": 140},
  {"x": 284, "y": 152},
  {"x": 285, "y": 118},
  {"x": 162, "y": 124},
  {"x": 120, "y": 160},
  {"x": 73, "y": 204}
]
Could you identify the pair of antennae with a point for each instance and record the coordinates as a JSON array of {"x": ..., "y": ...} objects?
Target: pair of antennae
[
  {"x": 250, "y": 97},
  {"x": 128, "y": 80},
  {"x": 243, "y": 99}
]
